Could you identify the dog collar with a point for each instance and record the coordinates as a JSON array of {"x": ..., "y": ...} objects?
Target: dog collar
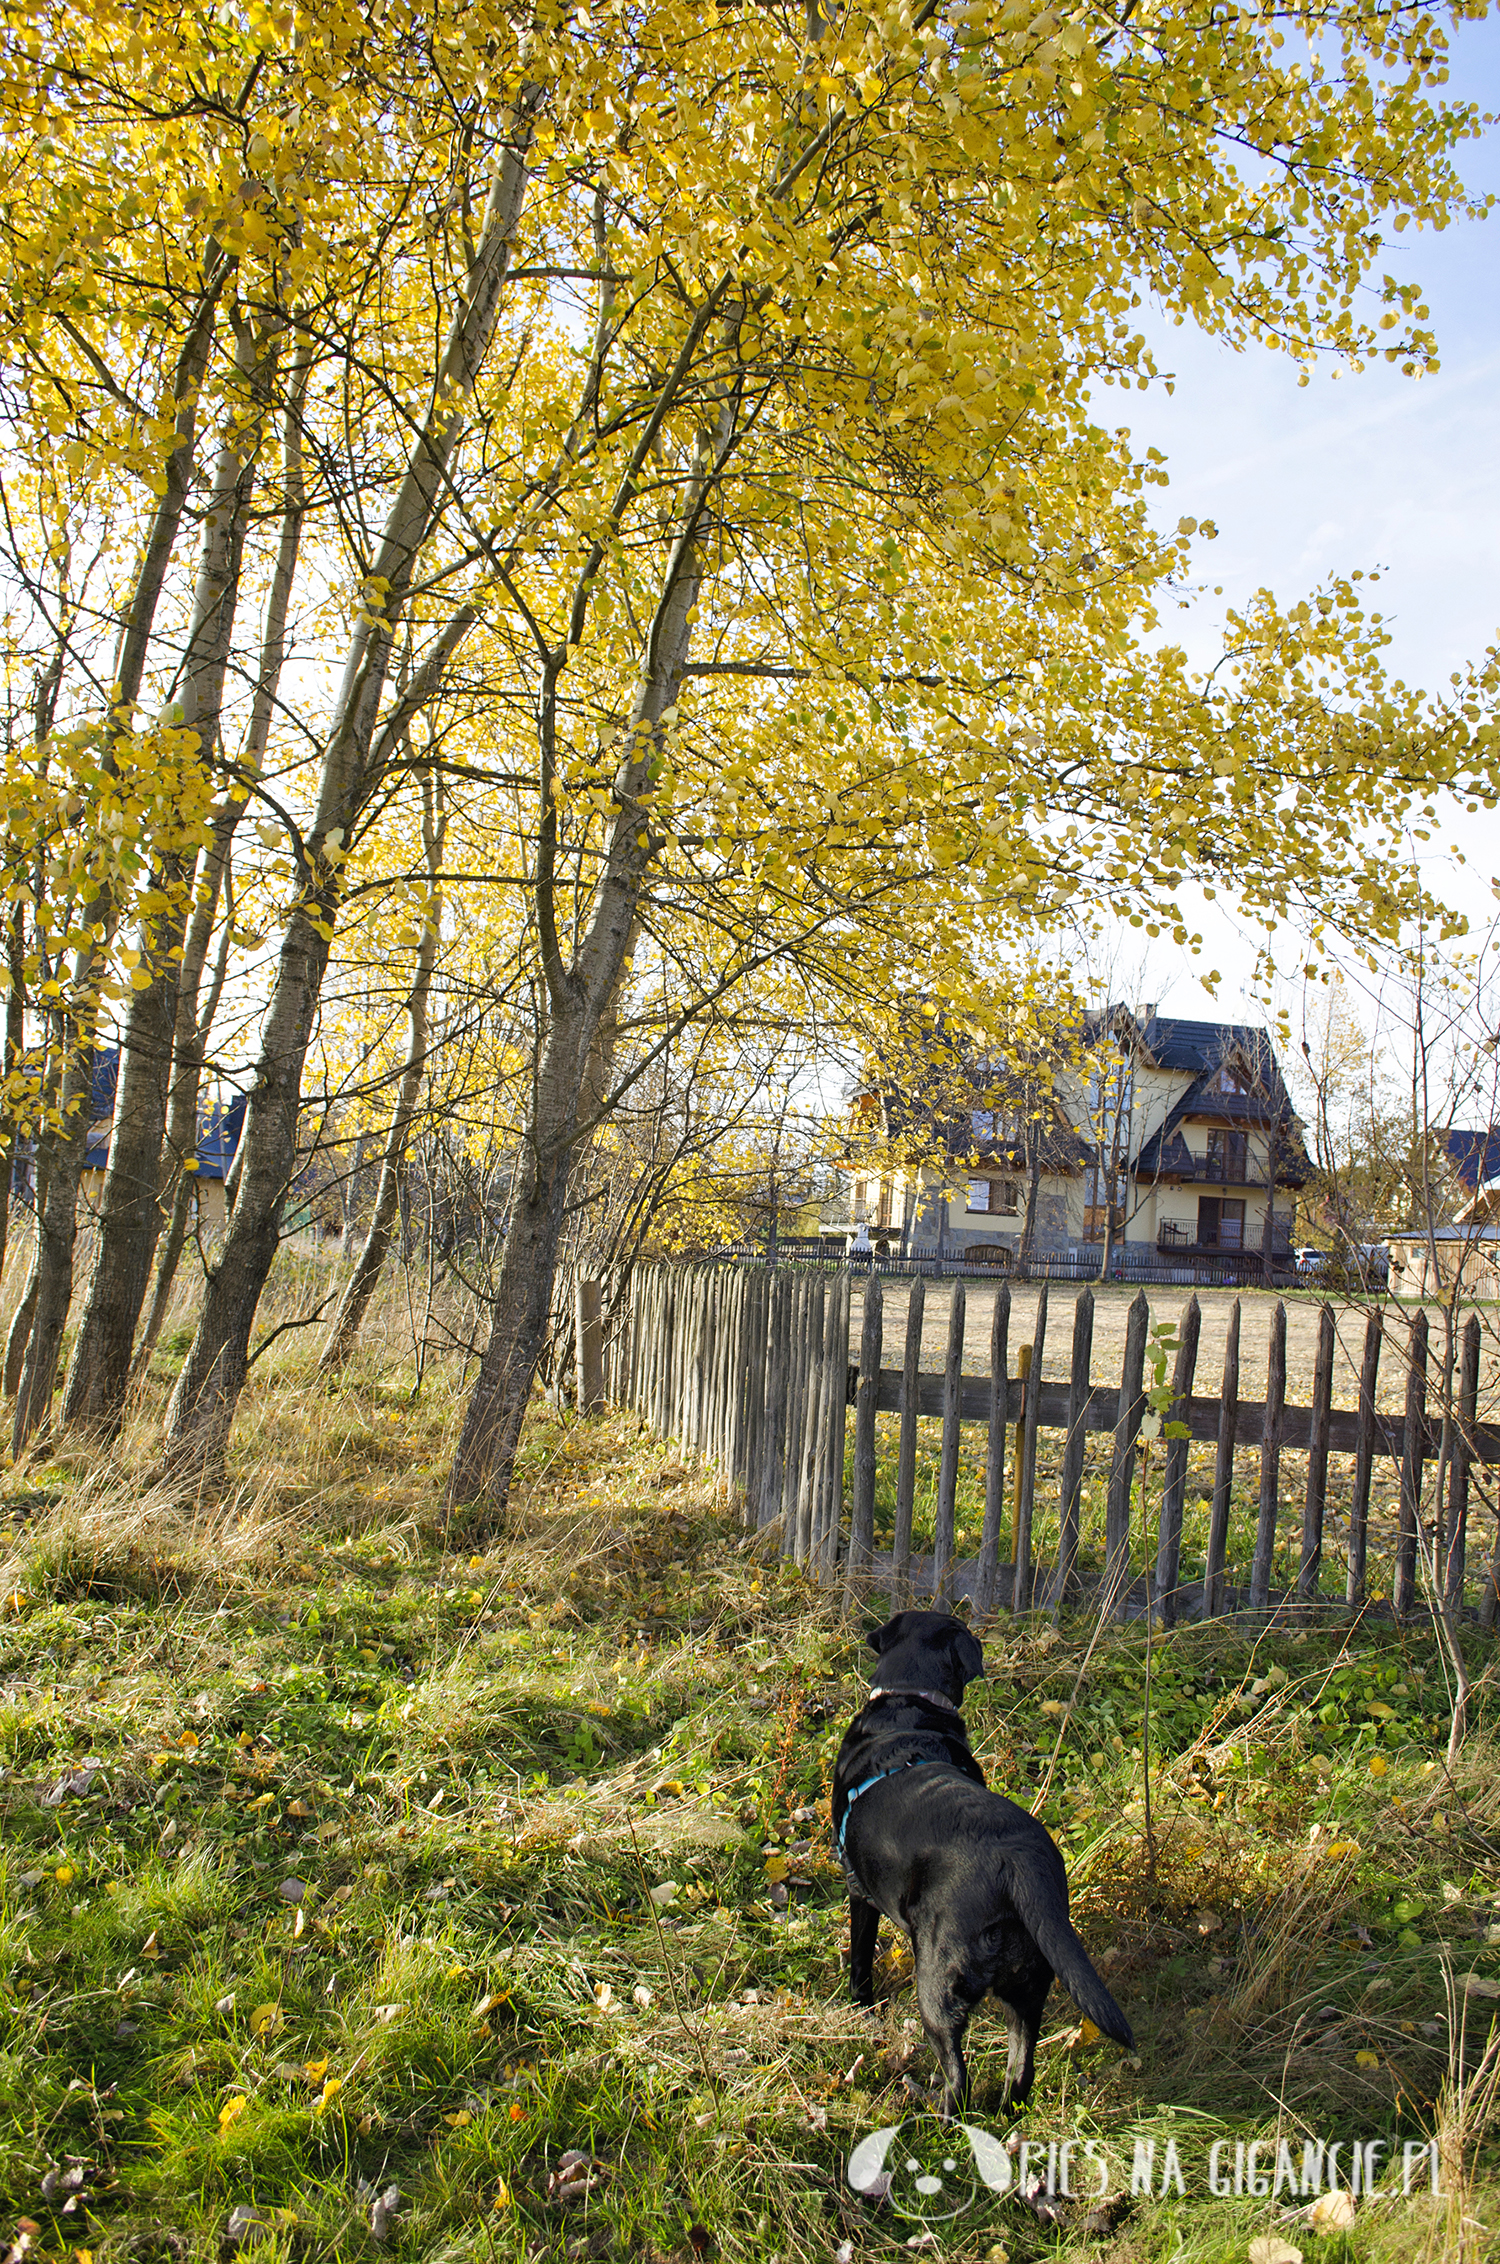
[
  {"x": 908, "y": 1690},
  {"x": 931, "y": 1761}
]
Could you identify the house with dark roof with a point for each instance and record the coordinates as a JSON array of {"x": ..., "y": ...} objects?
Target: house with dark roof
[
  {"x": 1183, "y": 1130},
  {"x": 218, "y": 1137},
  {"x": 1198, "y": 1143}
]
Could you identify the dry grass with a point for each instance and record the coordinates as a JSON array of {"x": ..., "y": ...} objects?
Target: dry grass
[{"x": 483, "y": 1757}]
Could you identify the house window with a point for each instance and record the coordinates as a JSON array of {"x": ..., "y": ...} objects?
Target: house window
[
  {"x": 1227, "y": 1153},
  {"x": 992, "y": 1195},
  {"x": 1228, "y": 1081},
  {"x": 860, "y": 1188}
]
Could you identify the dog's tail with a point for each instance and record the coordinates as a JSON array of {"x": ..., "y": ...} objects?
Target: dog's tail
[{"x": 1045, "y": 1913}]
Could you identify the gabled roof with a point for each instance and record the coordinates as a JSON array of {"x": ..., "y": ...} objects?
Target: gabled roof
[
  {"x": 1200, "y": 1050},
  {"x": 929, "y": 1097},
  {"x": 1475, "y": 1156}
]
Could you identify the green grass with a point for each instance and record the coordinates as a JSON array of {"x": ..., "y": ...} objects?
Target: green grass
[
  {"x": 529, "y": 1785},
  {"x": 1244, "y": 1507}
]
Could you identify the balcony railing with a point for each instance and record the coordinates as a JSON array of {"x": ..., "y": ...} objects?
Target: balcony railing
[{"x": 1217, "y": 1171}]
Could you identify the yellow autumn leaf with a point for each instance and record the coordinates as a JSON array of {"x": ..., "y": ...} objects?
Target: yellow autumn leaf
[
  {"x": 1342, "y": 1847},
  {"x": 231, "y": 2111},
  {"x": 64, "y": 1875},
  {"x": 315, "y": 2070},
  {"x": 460, "y": 2121},
  {"x": 1367, "y": 2059},
  {"x": 1088, "y": 2033},
  {"x": 265, "y": 2020},
  {"x": 777, "y": 1868},
  {"x": 328, "y": 2094},
  {"x": 1378, "y": 1764}
]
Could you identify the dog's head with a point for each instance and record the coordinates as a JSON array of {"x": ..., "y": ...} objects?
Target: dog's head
[{"x": 927, "y": 1651}]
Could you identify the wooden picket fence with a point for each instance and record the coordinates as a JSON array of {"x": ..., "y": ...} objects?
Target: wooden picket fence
[{"x": 749, "y": 1370}]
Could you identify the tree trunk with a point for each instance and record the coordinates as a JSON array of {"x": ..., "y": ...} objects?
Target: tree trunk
[
  {"x": 19, "y": 1333},
  {"x": 57, "y": 1222},
  {"x": 57, "y": 1218},
  {"x": 213, "y": 1375},
  {"x": 190, "y": 1039},
  {"x": 571, "y": 1070},
  {"x": 15, "y": 1043},
  {"x": 130, "y": 1212},
  {"x": 361, "y": 1288},
  {"x": 1033, "y": 1189}
]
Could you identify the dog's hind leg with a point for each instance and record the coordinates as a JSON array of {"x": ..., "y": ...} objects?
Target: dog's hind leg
[
  {"x": 1022, "y": 2007},
  {"x": 864, "y": 1921},
  {"x": 945, "y": 2002}
]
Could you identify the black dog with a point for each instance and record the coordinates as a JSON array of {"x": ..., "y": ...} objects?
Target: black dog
[{"x": 974, "y": 1881}]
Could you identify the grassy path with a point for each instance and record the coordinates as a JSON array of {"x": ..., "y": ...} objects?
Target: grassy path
[{"x": 343, "y": 1854}]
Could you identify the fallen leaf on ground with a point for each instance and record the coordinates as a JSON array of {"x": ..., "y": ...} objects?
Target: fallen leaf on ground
[
  {"x": 383, "y": 2212},
  {"x": 575, "y": 2175},
  {"x": 1331, "y": 2213},
  {"x": 245, "y": 2224},
  {"x": 1272, "y": 2249}
]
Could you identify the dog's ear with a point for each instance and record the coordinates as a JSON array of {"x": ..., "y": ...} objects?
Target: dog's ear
[
  {"x": 967, "y": 1652},
  {"x": 881, "y": 1638}
]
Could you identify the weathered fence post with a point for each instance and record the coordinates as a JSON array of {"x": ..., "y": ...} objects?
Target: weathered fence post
[
  {"x": 1452, "y": 1573},
  {"x": 1132, "y": 1405},
  {"x": 1070, "y": 1485},
  {"x": 953, "y": 1372},
  {"x": 862, "y": 1513},
  {"x": 1020, "y": 1593},
  {"x": 994, "y": 1460},
  {"x": 773, "y": 1434},
  {"x": 1364, "y": 1461},
  {"x": 1270, "y": 1462},
  {"x": 1413, "y": 1442},
  {"x": 832, "y": 1393},
  {"x": 1310, "y": 1564},
  {"x": 906, "y": 1463},
  {"x": 1218, "y": 1515},
  {"x": 588, "y": 1338},
  {"x": 1174, "y": 1480},
  {"x": 807, "y": 1469}
]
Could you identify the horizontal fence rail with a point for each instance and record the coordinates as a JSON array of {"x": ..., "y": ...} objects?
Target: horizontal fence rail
[{"x": 749, "y": 1369}]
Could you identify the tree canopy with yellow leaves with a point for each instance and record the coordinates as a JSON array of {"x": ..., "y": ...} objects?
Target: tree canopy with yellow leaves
[{"x": 680, "y": 428}]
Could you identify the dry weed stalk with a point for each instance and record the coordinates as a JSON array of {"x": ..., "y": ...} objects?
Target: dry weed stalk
[{"x": 1467, "y": 2108}]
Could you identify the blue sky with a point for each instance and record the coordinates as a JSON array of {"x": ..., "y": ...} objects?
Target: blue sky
[{"x": 1368, "y": 470}]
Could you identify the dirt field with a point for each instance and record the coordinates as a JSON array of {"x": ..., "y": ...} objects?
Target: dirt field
[{"x": 1112, "y": 1303}]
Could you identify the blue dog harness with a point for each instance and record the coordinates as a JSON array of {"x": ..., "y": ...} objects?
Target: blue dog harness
[
  {"x": 933, "y": 1698},
  {"x": 931, "y": 1762}
]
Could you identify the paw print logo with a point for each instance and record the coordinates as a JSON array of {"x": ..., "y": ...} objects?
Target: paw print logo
[{"x": 927, "y": 2170}]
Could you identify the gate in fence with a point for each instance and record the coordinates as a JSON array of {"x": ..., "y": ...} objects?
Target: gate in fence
[{"x": 750, "y": 1370}]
